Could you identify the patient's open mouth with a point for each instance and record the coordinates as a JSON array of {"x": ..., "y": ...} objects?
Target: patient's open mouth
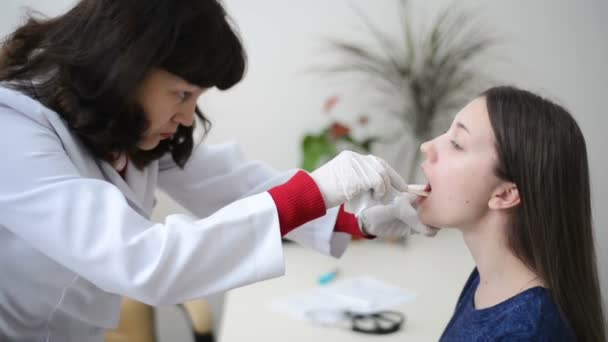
[
  {"x": 428, "y": 188},
  {"x": 419, "y": 189}
]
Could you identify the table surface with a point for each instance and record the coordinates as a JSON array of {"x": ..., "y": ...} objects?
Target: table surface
[{"x": 434, "y": 268}]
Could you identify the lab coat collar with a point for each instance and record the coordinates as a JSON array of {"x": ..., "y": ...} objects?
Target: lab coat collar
[{"x": 134, "y": 186}]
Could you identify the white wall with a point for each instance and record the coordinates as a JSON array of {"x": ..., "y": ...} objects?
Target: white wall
[
  {"x": 12, "y": 12},
  {"x": 558, "y": 47}
]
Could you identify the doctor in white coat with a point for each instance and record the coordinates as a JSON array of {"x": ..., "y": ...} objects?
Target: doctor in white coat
[{"x": 97, "y": 108}]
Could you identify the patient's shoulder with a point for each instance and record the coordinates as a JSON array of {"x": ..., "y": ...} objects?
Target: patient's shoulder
[
  {"x": 533, "y": 315},
  {"x": 529, "y": 316}
]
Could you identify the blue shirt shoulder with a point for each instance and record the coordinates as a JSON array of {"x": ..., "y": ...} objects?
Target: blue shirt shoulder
[{"x": 529, "y": 316}]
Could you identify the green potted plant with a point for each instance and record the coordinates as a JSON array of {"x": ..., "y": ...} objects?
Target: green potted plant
[{"x": 317, "y": 148}]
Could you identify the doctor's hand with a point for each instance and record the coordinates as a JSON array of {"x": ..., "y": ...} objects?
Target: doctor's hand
[
  {"x": 349, "y": 174},
  {"x": 395, "y": 219}
]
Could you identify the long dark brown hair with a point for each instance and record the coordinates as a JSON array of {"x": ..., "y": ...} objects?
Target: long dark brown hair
[
  {"x": 542, "y": 150},
  {"x": 87, "y": 63}
]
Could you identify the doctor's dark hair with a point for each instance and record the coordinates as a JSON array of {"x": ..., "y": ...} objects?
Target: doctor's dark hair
[
  {"x": 541, "y": 149},
  {"x": 87, "y": 63}
]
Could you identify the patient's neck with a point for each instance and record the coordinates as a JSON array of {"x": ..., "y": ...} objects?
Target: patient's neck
[{"x": 502, "y": 274}]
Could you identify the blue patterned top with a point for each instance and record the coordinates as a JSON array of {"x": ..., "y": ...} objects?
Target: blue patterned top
[{"x": 529, "y": 316}]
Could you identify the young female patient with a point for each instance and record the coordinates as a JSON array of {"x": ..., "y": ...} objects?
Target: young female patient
[{"x": 511, "y": 173}]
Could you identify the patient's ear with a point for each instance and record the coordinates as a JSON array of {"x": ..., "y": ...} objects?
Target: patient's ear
[{"x": 506, "y": 196}]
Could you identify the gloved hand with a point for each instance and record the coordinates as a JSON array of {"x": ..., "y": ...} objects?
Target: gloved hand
[
  {"x": 394, "y": 219},
  {"x": 349, "y": 174}
]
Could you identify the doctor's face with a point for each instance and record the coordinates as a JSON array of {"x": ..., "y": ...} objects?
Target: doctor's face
[
  {"x": 168, "y": 102},
  {"x": 459, "y": 166}
]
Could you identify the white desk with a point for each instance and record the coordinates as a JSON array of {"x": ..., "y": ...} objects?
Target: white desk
[{"x": 435, "y": 269}]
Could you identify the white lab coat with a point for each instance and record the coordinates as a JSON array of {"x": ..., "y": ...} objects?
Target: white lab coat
[{"x": 75, "y": 237}]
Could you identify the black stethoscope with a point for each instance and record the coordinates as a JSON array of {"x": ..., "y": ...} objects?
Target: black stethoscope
[{"x": 378, "y": 323}]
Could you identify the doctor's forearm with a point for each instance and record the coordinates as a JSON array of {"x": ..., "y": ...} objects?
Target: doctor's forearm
[{"x": 299, "y": 201}]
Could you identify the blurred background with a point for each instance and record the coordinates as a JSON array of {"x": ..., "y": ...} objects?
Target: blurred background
[{"x": 320, "y": 79}]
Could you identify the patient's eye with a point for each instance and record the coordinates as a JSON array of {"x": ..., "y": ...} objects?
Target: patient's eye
[{"x": 456, "y": 146}]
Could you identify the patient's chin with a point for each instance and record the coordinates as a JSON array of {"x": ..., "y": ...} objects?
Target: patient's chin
[
  {"x": 434, "y": 218},
  {"x": 427, "y": 218}
]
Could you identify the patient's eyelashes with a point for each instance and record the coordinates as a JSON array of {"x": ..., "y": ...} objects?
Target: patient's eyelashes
[{"x": 456, "y": 145}]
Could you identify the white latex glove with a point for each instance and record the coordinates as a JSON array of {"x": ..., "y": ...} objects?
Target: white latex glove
[
  {"x": 395, "y": 219},
  {"x": 349, "y": 174}
]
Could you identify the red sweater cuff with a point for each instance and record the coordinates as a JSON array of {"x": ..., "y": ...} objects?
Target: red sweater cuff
[
  {"x": 348, "y": 223},
  {"x": 298, "y": 201}
]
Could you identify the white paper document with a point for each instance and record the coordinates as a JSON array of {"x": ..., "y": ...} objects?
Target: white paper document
[{"x": 362, "y": 295}]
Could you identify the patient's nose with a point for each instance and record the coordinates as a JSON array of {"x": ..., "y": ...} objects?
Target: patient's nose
[{"x": 428, "y": 151}]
